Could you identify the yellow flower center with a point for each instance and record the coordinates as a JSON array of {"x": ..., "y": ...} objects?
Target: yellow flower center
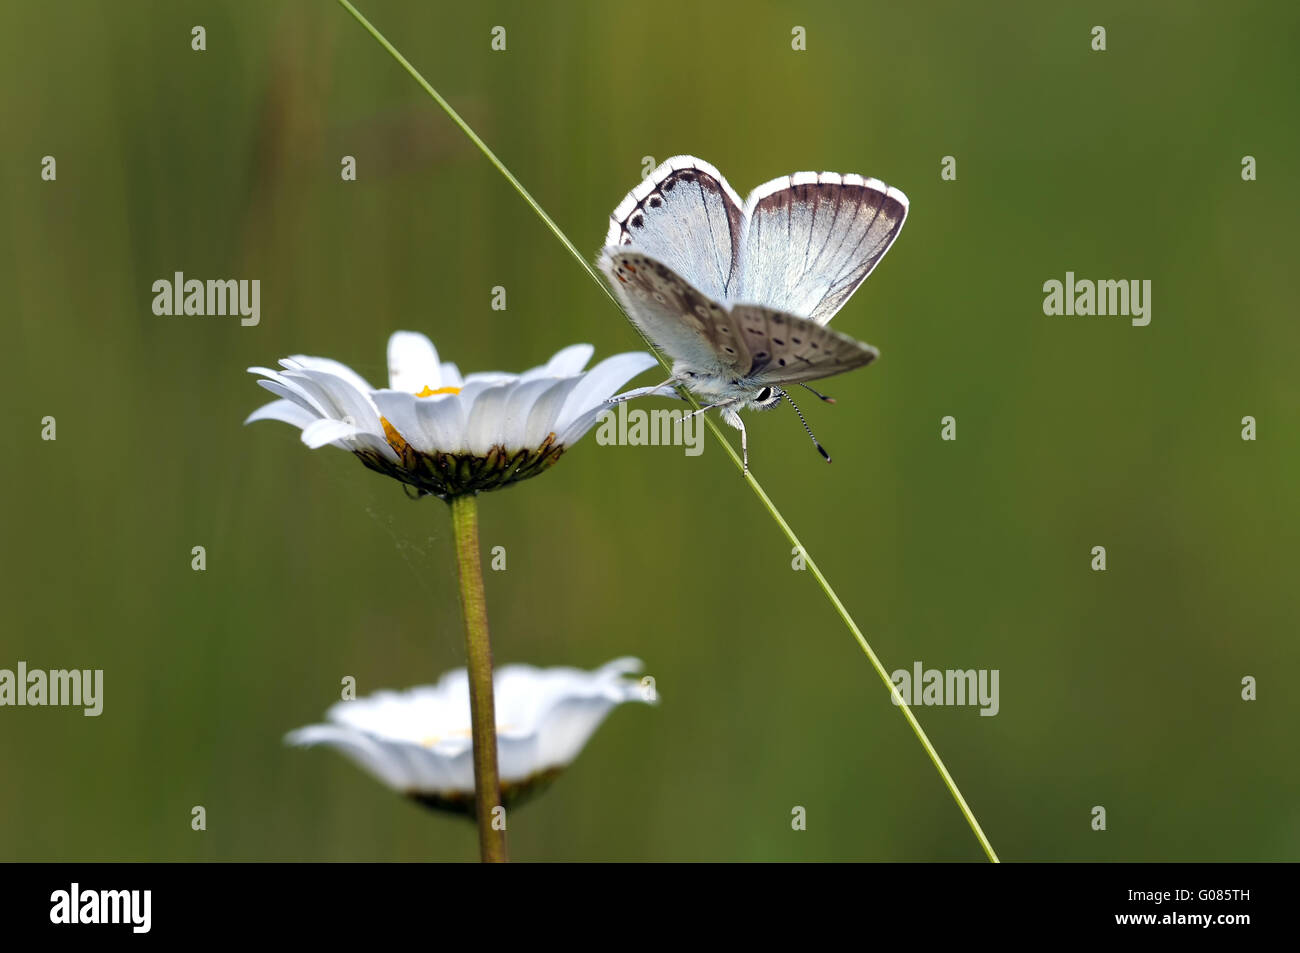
[{"x": 429, "y": 392}]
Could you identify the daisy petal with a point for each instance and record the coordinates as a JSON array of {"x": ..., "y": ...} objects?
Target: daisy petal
[
  {"x": 451, "y": 376},
  {"x": 354, "y": 405},
  {"x": 543, "y": 419},
  {"x": 413, "y": 363},
  {"x": 575, "y": 429},
  {"x": 484, "y": 429},
  {"x": 326, "y": 431},
  {"x": 336, "y": 368},
  {"x": 285, "y": 410},
  {"x": 443, "y": 421},
  {"x": 398, "y": 408},
  {"x": 488, "y": 377},
  {"x": 323, "y": 396},
  {"x": 602, "y": 381},
  {"x": 365, "y": 752},
  {"x": 518, "y": 408},
  {"x": 569, "y": 361},
  {"x": 428, "y": 424},
  {"x": 565, "y": 363},
  {"x": 292, "y": 392}
]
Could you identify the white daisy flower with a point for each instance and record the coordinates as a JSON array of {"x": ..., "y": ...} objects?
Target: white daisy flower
[
  {"x": 418, "y": 742},
  {"x": 439, "y": 431}
]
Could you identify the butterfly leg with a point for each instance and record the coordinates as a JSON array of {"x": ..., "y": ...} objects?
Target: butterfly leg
[
  {"x": 642, "y": 392},
  {"x": 703, "y": 409},
  {"x": 733, "y": 418}
]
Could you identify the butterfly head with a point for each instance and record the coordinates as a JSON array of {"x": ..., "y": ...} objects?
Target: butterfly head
[{"x": 765, "y": 398}]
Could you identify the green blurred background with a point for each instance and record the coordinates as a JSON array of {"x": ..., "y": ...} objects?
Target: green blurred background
[{"x": 1119, "y": 689}]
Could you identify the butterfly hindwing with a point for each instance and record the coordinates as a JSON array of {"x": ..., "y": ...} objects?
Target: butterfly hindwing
[
  {"x": 685, "y": 215},
  {"x": 762, "y": 346},
  {"x": 810, "y": 239},
  {"x": 786, "y": 349}
]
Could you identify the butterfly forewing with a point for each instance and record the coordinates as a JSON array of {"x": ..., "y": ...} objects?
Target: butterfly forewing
[
  {"x": 809, "y": 240},
  {"x": 685, "y": 215},
  {"x": 685, "y": 324},
  {"x": 786, "y": 349}
]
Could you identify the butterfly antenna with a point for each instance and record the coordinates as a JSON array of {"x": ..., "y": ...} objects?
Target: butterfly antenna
[
  {"x": 820, "y": 448},
  {"x": 829, "y": 400}
]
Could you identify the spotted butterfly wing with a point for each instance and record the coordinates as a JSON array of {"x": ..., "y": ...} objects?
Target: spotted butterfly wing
[
  {"x": 744, "y": 346},
  {"x": 686, "y": 216},
  {"x": 787, "y": 349},
  {"x": 674, "y": 316}
]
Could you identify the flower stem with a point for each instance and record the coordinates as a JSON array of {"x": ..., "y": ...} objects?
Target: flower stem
[
  {"x": 478, "y": 648},
  {"x": 748, "y": 476}
]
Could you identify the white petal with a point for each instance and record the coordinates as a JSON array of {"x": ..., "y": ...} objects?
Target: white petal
[
  {"x": 398, "y": 408},
  {"x": 291, "y": 391},
  {"x": 486, "y": 417},
  {"x": 568, "y": 727},
  {"x": 428, "y": 769},
  {"x": 298, "y": 393},
  {"x": 370, "y": 755},
  {"x": 354, "y": 405},
  {"x": 543, "y": 419},
  {"x": 413, "y": 363},
  {"x": 451, "y": 375},
  {"x": 286, "y": 410},
  {"x": 489, "y": 377},
  {"x": 519, "y": 406},
  {"x": 575, "y": 429},
  {"x": 443, "y": 422},
  {"x": 322, "y": 396},
  {"x": 613, "y": 671},
  {"x": 602, "y": 381},
  {"x": 428, "y": 424},
  {"x": 373, "y": 442},
  {"x": 569, "y": 361},
  {"x": 566, "y": 363},
  {"x": 332, "y": 367},
  {"x": 326, "y": 431},
  {"x": 475, "y": 385},
  {"x": 518, "y": 757}
]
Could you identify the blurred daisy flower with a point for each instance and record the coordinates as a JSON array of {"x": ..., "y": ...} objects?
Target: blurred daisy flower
[
  {"x": 442, "y": 432},
  {"x": 418, "y": 742}
]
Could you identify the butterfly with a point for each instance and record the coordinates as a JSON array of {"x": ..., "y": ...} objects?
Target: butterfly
[{"x": 738, "y": 294}]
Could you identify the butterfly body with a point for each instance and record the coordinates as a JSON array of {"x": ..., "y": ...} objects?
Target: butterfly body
[{"x": 738, "y": 294}]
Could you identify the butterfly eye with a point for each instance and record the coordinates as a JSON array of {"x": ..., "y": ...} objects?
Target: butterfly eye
[{"x": 764, "y": 393}]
